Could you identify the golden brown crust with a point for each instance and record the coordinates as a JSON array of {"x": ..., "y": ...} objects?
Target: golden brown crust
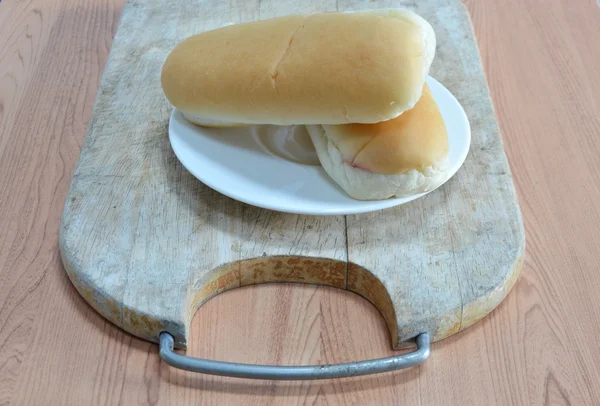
[
  {"x": 330, "y": 68},
  {"x": 416, "y": 139}
]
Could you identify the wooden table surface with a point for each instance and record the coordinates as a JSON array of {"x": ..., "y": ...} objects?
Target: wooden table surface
[{"x": 541, "y": 346}]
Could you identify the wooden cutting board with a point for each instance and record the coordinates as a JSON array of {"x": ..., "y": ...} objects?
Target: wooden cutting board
[{"x": 146, "y": 244}]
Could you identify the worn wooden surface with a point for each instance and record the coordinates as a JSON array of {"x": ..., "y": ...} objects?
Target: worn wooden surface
[
  {"x": 146, "y": 244},
  {"x": 539, "y": 347}
]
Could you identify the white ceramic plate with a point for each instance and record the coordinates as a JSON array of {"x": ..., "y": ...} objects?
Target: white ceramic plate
[{"x": 266, "y": 166}]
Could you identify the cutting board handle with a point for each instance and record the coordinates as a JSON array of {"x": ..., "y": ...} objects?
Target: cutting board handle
[{"x": 308, "y": 372}]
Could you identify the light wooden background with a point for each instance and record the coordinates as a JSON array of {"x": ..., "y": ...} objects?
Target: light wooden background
[{"x": 541, "y": 346}]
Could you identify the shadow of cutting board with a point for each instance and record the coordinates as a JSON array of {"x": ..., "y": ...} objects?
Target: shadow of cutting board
[{"x": 146, "y": 244}]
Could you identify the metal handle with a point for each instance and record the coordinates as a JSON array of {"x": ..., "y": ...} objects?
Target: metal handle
[{"x": 251, "y": 371}]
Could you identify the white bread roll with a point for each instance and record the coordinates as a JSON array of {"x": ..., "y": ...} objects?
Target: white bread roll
[
  {"x": 330, "y": 68},
  {"x": 403, "y": 156}
]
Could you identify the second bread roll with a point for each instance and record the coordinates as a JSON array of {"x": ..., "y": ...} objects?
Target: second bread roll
[{"x": 403, "y": 156}]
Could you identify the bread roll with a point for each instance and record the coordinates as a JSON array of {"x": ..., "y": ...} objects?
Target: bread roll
[
  {"x": 403, "y": 156},
  {"x": 330, "y": 68}
]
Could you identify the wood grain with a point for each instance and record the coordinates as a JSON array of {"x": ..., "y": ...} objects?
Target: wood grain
[{"x": 539, "y": 347}]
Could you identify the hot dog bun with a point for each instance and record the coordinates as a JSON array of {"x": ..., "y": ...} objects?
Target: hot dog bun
[
  {"x": 402, "y": 156},
  {"x": 330, "y": 68}
]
